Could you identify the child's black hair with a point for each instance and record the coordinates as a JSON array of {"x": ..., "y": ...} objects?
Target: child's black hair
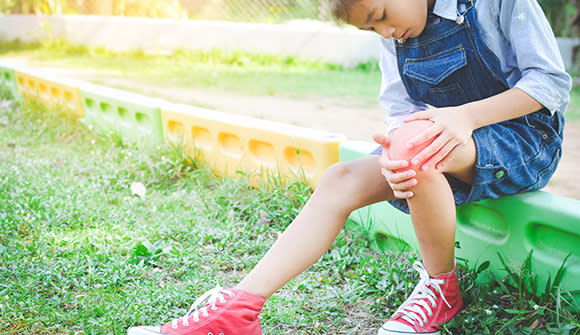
[{"x": 340, "y": 9}]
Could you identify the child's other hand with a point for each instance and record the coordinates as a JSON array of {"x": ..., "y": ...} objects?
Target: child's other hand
[
  {"x": 397, "y": 173},
  {"x": 452, "y": 127}
]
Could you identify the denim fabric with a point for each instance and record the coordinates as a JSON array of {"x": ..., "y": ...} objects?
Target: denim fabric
[
  {"x": 450, "y": 65},
  {"x": 517, "y": 32}
]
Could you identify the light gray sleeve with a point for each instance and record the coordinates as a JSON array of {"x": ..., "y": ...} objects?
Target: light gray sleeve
[
  {"x": 393, "y": 96},
  {"x": 543, "y": 75}
]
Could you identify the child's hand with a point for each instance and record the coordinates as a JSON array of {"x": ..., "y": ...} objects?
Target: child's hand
[
  {"x": 397, "y": 174},
  {"x": 452, "y": 126}
]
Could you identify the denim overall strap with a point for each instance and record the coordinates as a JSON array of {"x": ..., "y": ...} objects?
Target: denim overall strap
[{"x": 449, "y": 64}]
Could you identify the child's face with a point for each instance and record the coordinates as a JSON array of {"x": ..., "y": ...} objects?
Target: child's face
[{"x": 398, "y": 19}]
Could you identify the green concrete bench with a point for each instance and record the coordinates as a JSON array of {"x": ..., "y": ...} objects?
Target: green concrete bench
[{"x": 513, "y": 226}]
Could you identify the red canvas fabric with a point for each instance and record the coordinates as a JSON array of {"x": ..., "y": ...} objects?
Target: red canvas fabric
[
  {"x": 443, "y": 305},
  {"x": 238, "y": 315},
  {"x": 229, "y": 312}
]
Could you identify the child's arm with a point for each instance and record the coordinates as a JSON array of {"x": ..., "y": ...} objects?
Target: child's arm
[
  {"x": 543, "y": 83},
  {"x": 399, "y": 105},
  {"x": 393, "y": 96},
  {"x": 454, "y": 125}
]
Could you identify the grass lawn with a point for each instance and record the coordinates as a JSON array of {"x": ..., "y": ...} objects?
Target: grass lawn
[
  {"x": 236, "y": 72},
  {"x": 80, "y": 254}
]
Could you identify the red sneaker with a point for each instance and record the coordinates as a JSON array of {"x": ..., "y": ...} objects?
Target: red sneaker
[
  {"x": 228, "y": 312},
  {"x": 433, "y": 302}
]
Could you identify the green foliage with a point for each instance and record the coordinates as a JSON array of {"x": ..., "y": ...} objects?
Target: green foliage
[
  {"x": 17, "y": 46},
  {"x": 573, "y": 111},
  {"x": 560, "y": 14},
  {"x": 515, "y": 304},
  {"x": 214, "y": 57},
  {"x": 5, "y": 94},
  {"x": 233, "y": 71},
  {"x": 142, "y": 8},
  {"x": 234, "y": 10}
]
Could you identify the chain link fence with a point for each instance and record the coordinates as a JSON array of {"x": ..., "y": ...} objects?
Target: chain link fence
[{"x": 270, "y": 11}]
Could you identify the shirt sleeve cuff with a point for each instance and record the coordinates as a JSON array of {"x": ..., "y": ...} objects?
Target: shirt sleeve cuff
[{"x": 552, "y": 94}]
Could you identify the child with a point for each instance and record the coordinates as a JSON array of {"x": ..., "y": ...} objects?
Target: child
[{"x": 488, "y": 83}]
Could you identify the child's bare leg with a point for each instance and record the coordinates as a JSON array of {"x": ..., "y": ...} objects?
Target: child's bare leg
[
  {"x": 343, "y": 188},
  {"x": 433, "y": 214},
  {"x": 433, "y": 210}
]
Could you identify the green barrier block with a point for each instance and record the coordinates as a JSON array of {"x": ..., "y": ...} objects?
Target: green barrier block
[
  {"x": 544, "y": 223},
  {"x": 351, "y": 150},
  {"x": 8, "y": 81},
  {"x": 541, "y": 222},
  {"x": 135, "y": 118}
]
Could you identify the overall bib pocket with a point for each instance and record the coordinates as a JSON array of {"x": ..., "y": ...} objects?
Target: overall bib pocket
[{"x": 439, "y": 79}]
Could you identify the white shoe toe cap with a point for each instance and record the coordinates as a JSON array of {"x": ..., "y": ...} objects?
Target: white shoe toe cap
[
  {"x": 395, "y": 328},
  {"x": 144, "y": 331}
]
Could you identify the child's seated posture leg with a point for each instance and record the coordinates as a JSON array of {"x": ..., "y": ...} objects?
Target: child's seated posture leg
[{"x": 344, "y": 188}]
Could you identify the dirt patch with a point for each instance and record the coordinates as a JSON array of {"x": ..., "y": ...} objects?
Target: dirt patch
[
  {"x": 565, "y": 180},
  {"x": 345, "y": 116}
]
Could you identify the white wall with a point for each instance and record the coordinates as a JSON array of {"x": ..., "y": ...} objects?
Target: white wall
[{"x": 311, "y": 39}]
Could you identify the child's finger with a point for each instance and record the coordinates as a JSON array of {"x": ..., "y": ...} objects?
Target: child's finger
[
  {"x": 387, "y": 174},
  {"x": 437, "y": 159},
  {"x": 382, "y": 140},
  {"x": 403, "y": 195},
  {"x": 430, "y": 150},
  {"x": 429, "y": 134},
  {"x": 389, "y": 164},
  {"x": 400, "y": 190},
  {"x": 422, "y": 115},
  {"x": 404, "y": 186},
  {"x": 401, "y": 177}
]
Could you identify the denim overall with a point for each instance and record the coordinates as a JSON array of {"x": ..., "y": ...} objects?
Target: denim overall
[{"x": 450, "y": 65}]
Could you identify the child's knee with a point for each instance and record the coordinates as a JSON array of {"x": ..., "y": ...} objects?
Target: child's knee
[
  {"x": 401, "y": 137},
  {"x": 337, "y": 174},
  {"x": 341, "y": 179}
]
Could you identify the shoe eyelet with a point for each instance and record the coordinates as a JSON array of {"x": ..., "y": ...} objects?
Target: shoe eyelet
[
  {"x": 232, "y": 295},
  {"x": 174, "y": 326},
  {"x": 186, "y": 323},
  {"x": 209, "y": 333},
  {"x": 196, "y": 319},
  {"x": 205, "y": 314},
  {"x": 213, "y": 308}
]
